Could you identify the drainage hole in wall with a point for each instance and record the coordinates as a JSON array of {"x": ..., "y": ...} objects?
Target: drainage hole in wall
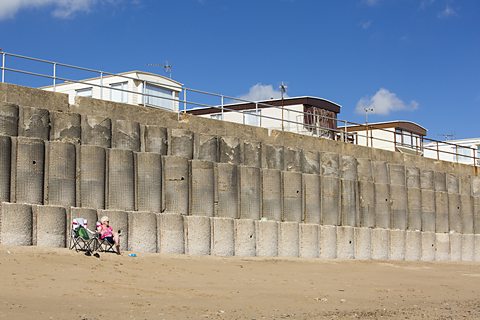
[
  {"x": 182, "y": 178},
  {"x": 34, "y": 162}
]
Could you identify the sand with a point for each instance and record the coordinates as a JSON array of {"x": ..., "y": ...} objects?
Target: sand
[{"x": 38, "y": 283}]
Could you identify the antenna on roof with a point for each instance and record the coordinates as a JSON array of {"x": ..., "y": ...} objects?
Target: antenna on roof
[
  {"x": 283, "y": 91},
  {"x": 367, "y": 110},
  {"x": 167, "y": 67}
]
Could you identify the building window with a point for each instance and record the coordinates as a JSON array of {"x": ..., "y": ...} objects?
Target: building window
[
  {"x": 407, "y": 139},
  {"x": 217, "y": 116},
  {"x": 117, "y": 93},
  {"x": 158, "y": 97},
  {"x": 252, "y": 117},
  {"x": 85, "y": 92}
]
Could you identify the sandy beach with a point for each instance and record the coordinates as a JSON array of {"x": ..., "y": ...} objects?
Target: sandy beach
[{"x": 39, "y": 283}]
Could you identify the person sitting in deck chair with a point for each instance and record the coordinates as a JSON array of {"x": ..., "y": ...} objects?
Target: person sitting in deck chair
[
  {"x": 82, "y": 238},
  {"x": 107, "y": 234}
]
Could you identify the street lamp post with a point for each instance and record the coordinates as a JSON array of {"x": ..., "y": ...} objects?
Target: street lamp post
[{"x": 367, "y": 110}]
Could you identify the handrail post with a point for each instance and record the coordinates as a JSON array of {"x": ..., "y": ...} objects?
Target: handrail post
[
  {"x": 221, "y": 101},
  {"x": 101, "y": 85},
  {"x": 259, "y": 118},
  {"x": 346, "y": 133},
  {"x": 3, "y": 67},
  {"x": 143, "y": 93},
  {"x": 184, "y": 100},
  {"x": 438, "y": 152},
  {"x": 54, "y": 76},
  {"x": 456, "y": 152}
]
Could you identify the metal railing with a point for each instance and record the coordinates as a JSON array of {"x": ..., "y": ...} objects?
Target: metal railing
[{"x": 323, "y": 125}]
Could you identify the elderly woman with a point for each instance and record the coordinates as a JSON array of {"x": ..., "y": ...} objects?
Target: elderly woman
[{"x": 106, "y": 233}]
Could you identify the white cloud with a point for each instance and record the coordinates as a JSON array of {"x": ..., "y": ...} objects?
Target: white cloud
[
  {"x": 366, "y": 24},
  {"x": 447, "y": 12},
  {"x": 261, "y": 91},
  {"x": 371, "y": 3},
  {"x": 383, "y": 102},
  {"x": 61, "y": 8}
]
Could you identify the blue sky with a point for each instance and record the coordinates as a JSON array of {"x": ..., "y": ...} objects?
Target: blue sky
[{"x": 416, "y": 60}]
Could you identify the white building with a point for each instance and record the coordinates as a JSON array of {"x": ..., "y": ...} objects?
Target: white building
[
  {"x": 306, "y": 115},
  {"x": 132, "y": 87},
  {"x": 465, "y": 151},
  {"x": 402, "y": 136}
]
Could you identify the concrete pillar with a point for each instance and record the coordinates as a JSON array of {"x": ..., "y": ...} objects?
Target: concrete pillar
[
  {"x": 142, "y": 231},
  {"x": 476, "y": 255},
  {"x": 308, "y": 240},
  {"x": 34, "y": 123},
  {"x": 380, "y": 244},
  {"x": 452, "y": 183},
  {"x": 455, "y": 246},
  {"x": 310, "y": 162},
  {"x": 329, "y": 164},
  {"x": 28, "y": 157},
  {"x": 441, "y": 211},
  {"x": 288, "y": 239},
  {"x": 292, "y": 196},
  {"x": 175, "y": 184},
  {"x": 223, "y": 236},
  {"x": 271, "y": 194},
  {"x": 364, "y": 170},
  {"x": 148, "y": 181},
  {"x": 86, "y": 213},
  {"x": 397, "y": 245},
  {"x": 330, "y": 200},
  {"x": 442, "y": 247},
  {"x": 428, "y": 246},
  {"x": 180, "y": 143},
  {"x": 466, "y": 213},
  {"x": 202, "y": 186},
  {"x": 272, "y": 157},
  {"x": 468, "y": 247},
  {"x": 170, "y": 234},
  {"x": 197, "y": 235},
  {"x": 118, "y": 220},
  {"x": 397, "y": 174},
  {"x": 96, "y": 131},
  {"x": 366, "y": 201},
  {"x": 412, "y": 177},
  {"x": 49, "y": 226},
  {"x": 60, "y": 174},
  {"x": 475, "y": 185},
  {"x": 229, "y": 150},
  {"x": 328, "y": 242},
  {"x": 380, "y": 172},
  {"x": 252, "y": 154},
  {"x": 311, "y": 196},
  {"x": 65, "y": 127},
  {"x": 91, "y": 169},
  {"x": 454, "y": 217},
  {"x": 349, "y": 202},
  {"x": 5, "y": 167},
  {"x": 345, "y": 242},
  {"x": 414, "y": 208},
  {"x": 266, "y": 236},
  {"x": 155, "y": 139},
  {"x": 476, "y": 215},
  {"x": 293, "y": 159},
  {"x": 426, "y": 180},
  {"x": 8, "y": 119},
  {"x": 399, "y": 207},
  {"x": 120, "y": 180},
  {"x": 382, "y": 205},
  {"x": 428, "y": 210},
  {"x": 250, "y": 193},
  {"x": 206, "y": 147},
  {"x": 413, "y": 245},
  {"x": 16, "y": 224},
  {"x": 363, "y": 243},
  {"x": 245, "y": 237},
  {"x": 440, "y": 181},
  {"x": 126, "y": 135},
  {"x": 226, "y": 190}
]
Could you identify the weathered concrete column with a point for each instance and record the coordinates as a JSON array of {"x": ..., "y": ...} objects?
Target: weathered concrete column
[
  {"x": 65, "y": 127},
  {"x": 250, "y": 192},
  {"x": 245, "y": 237},
  {"x": 120, "y": 180},
  {"x": 202, "y": 188},
  {"x": 380, "y": 172},
  {"x": 413, "y": 245},
  {"x": 454, "y": 218},
  {"x": 91, "y": 169},
  {"x": 312, "y": 201},
  {"x": 414, "y": 199},
  {"x": 119, "y": 222},
  {"x": 60, "y": 174},
  {"x": 309, "y": 240},
  {"x": 397, "y": 245},
  {"x": 272, "y": 157},
  {"x": 292, "y": 196},
  {"x": 366, "y": 193},
  {"x": 226, "y": 190},
  {"x": 476, "y": 256},
  {"x": 455, "y": 247},
  {"x": 170, "y": 233},
  {"x": 349, "y": 191},
  {"x": 16, "y": 224},
  {"x": 328, "y": 242},
  {"x": 271, "y": 194},
  {"x": 126, "y": 135},
  {"x": 229, "y": 150},
  {"x": 197, "y": 235},
  {"x": 5, "y": 167},
  {"x": 363, "y": 243},
  {"x": 142, "y": 231},
  {"x": 28, "y": 161},
  {"x": 180, "y": 143},
  {"x": 34, "y": 123},
  {"x": 345, "y": 242},
  {"x": 428, "y": 201},
  {"x": 155, "y": 139},
  {"x": 266, "y": 236},
  {"x": 398, "y": 194},
  {"x": 468, "y": 247},
  {"x": 466, "y": 205},
  {"x": 382, "y": 205},
  {"x": 310, "y": 162},
  {"x": 288, "y": 239},
  {"x": 428, "y": 246},
  {"x": 49, "y": 226},
  {"x": 330, "y": 200},
  {"x": 442, "y": 247},
  {"x": 293, "y": 159},
  {"x": 96, "y": 131},
  {"x": 8, "y": 119},
  {"x": 175, "y": 184},
  {"x": 380, "y": 244},
  {"x": 148, "y": 181},
  {"x": 205, "y": 147},
  {"x": 252, "y": 154},
  {"x": 223, "y": 236}
]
